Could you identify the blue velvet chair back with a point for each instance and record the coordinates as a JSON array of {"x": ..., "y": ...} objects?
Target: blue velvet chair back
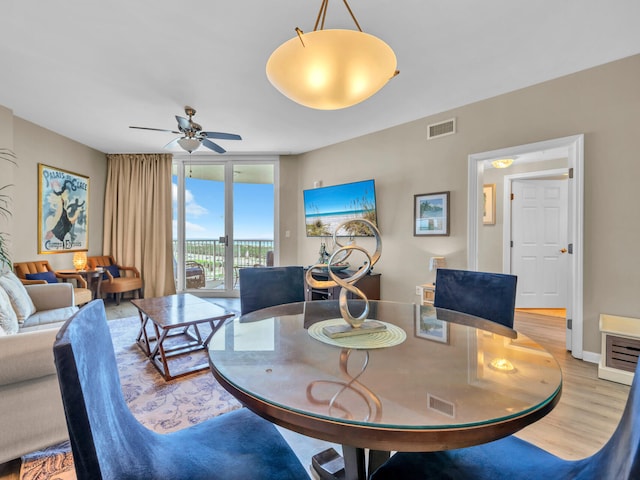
[
  {"x": 98, "y": 418},
  {"x": 108, "y": 442},
  {"x": 487, "y": 295},
  {"x": 262, "y": 287},
  {"x": 620, "y": 457}
]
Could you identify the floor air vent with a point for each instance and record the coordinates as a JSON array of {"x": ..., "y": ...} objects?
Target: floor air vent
[{"x": 435, "y": 130}]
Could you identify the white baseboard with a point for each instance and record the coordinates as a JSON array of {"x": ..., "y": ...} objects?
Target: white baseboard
[{"x": 591, "y": 357}]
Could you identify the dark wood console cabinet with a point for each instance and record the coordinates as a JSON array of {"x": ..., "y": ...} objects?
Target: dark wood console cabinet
[{"x": 369, "y": 284}]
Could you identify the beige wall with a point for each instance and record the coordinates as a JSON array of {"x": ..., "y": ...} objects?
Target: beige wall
[
  {"x": 603, "y": 103},
  {"x": 32, "y": 145}
]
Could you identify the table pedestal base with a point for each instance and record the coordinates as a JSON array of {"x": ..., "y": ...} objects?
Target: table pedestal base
[{"x": 329, "y": 465}]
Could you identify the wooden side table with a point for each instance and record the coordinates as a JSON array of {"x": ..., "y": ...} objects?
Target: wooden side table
[{"x": 93, "y": 278}]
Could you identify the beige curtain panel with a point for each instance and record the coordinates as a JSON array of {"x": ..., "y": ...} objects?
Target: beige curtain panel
[{"x": 138, "y": 218}]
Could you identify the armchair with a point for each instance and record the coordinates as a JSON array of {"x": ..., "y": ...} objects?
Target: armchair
[
  {"x": 108, "y": 442},
  {"x": 117, "y": 279},
  {"x": 24, "y": 270}
]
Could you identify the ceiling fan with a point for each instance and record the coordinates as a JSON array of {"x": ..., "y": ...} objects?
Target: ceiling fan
[{"x": 193, "y": 134}]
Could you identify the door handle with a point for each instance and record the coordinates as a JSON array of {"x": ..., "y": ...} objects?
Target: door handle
[{"x": 563, "y": 250}]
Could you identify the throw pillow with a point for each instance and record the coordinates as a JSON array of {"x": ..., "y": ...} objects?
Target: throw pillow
[
  {"x": 49, "y": 277},
  {"x": 113, "y": 270},
  {"x": 8, "y": 319},
  {"x": 20, "y": 299}
]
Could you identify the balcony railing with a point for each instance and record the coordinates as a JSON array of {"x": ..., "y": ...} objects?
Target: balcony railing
[{"x": 210, "y": 254}]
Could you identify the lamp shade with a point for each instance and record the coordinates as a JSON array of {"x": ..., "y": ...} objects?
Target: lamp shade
[
  {"x": 189, "y": 144},
  {"x": 80, "y": 260},
  {"x": 333, "y": 69}
]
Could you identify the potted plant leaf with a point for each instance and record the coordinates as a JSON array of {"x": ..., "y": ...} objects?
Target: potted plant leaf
[{"x": 5, "y": 260}]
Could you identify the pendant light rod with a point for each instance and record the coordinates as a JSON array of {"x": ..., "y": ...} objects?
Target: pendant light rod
[{"x": 322, "y": 15}]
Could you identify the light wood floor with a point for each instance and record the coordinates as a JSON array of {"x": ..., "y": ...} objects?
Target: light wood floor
[{"x": 581, "y": 423}]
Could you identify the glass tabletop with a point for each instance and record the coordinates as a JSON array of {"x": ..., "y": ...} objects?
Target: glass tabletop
[{"x": 450, "y": 371}]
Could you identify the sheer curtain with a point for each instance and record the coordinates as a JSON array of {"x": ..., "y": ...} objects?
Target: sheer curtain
[{"x": 138, "y": 218}]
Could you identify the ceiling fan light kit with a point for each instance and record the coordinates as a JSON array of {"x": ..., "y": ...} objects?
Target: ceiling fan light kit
[
  {"x": 331, "y": 69},
  {"x": 189, "y": 144},
  {"x": 193, "y": 134}
]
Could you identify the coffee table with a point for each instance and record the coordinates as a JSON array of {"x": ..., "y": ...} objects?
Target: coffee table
[{"x": 175, "y": 321}]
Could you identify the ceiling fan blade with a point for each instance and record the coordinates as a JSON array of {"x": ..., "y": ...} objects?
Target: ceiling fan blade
[
  {"x": 155, "y": 129},
  {"x": 183, "y": 123},
  {"x": 222, "y": 136},
  {"x": 213, "y": 146},
  {"x": 173, "y": 143}
]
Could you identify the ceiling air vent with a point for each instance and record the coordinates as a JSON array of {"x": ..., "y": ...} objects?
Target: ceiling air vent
[
  {"x": 441, "y": 129},
  {"x": 440, "y": 405}
]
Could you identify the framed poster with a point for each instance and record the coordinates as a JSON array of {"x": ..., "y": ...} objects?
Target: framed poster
[
  {"x": 489, "y": 197},
  {"x": 431, "y": 214},
  {"x": 63, "y": 210}
]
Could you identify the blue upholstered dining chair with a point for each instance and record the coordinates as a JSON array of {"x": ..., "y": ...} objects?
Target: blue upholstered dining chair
[
  {"x": 513, "y": 459},
  {"x": 109, "y": 443},
  {"x": 262, "y": 287},
  {"x": 487, "y": 295}
]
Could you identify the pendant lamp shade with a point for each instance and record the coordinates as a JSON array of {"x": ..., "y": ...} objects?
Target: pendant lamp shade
[{"x": 331, "y": 69}]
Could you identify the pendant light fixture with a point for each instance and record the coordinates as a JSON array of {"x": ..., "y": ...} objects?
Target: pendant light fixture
[
  {"x": 331, "y": 69},
  {"x": 502, "y": 163}
]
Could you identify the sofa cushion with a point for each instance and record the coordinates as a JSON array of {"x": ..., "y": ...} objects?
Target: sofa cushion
[
  {"x": 20, "y": 299},
  {"x": 47, "y": 317},
  {"x": 8, "y": 319},
  {"x": 113, "y": 270},
  {"x": 49, "y": 277}
]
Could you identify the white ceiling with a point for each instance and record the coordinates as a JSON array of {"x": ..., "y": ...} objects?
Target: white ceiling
[{"x": 88, "y": 69}]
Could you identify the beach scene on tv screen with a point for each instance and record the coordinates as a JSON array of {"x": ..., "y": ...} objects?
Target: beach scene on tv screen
[{"x": 327, "y": 207}]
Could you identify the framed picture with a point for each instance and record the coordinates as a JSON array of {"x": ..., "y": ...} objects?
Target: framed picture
[
  {"x": 431, "y": 214},
  {"x": 430, "y": 328},
  {"x": 489, "y": 196},
  {"x": 63, "y": 211}
]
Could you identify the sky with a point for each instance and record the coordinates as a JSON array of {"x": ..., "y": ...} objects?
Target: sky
[{"x": 204, "y": 208}]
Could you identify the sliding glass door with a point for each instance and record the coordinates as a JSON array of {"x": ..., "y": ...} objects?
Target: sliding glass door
[{"x": 223, "y": 221}]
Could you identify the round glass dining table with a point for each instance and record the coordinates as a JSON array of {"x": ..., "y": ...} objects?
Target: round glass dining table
[{"x": 433, "y": 379}]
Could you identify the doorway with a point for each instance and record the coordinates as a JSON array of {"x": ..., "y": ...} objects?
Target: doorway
[
  {"x": 535, "y": 231},
  {"x": 223, "y": 220},
  {"x": 573, "y": 151}
]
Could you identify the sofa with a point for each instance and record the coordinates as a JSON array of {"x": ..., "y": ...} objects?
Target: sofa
[{"x": 31, "y": 412}]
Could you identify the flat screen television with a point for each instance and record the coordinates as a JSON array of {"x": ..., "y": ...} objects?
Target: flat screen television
[{"x": 327, "y": 207}]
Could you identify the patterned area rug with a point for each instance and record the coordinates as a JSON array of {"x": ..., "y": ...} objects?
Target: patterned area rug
[{"x": 161, "y": 406}]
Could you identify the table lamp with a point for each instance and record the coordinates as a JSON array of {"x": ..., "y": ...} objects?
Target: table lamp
[{"x": 80, "y": 260}]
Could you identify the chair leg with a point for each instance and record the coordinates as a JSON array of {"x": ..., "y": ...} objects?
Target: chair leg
[{"x": 118, "y": 296}]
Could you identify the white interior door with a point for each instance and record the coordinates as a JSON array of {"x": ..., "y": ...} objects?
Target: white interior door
[{"x": 539, "y": 235}]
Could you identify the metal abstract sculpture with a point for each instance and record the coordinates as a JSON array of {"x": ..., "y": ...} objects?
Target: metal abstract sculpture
[{"x": 356, "y": 325}]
